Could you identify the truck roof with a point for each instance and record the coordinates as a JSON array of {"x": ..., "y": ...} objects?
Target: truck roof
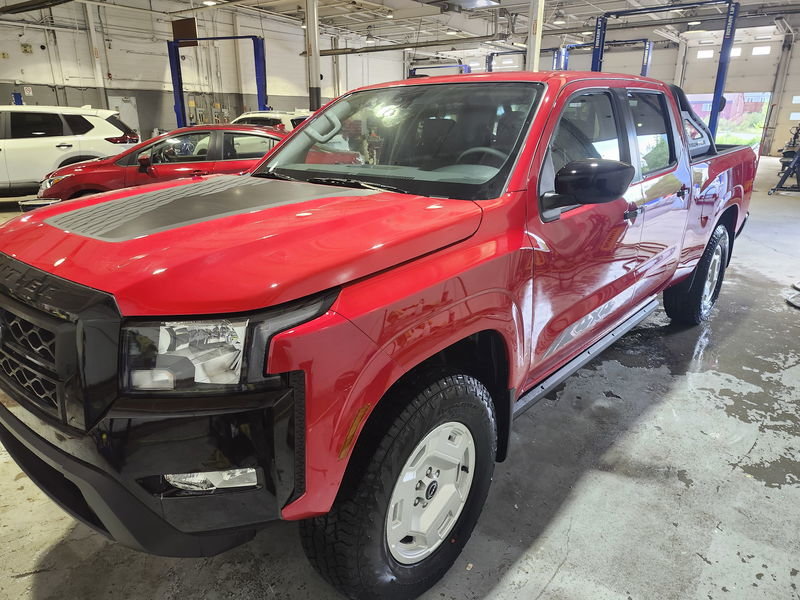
[{"x": 542, "y": 76}]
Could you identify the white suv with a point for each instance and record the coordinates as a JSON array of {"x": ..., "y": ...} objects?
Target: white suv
[
  {"x": 273, "y": 118},
  {"x": 35, "y": 140}
]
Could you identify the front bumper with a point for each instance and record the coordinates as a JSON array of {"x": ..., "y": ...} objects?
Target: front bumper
[
  {"x": 115, "y": 495},
  {"x": 102, "y": 456}
]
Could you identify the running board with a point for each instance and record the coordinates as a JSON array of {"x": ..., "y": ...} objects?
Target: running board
[{"x": 540, "y": 390}]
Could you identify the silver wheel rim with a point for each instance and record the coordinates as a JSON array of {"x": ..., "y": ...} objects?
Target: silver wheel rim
[
  {"x": 712, "y": 278},
  {"x": 430, "y": 493}
]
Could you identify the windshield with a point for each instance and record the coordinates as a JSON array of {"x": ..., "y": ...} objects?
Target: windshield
[{"x": 446, "y": 140}]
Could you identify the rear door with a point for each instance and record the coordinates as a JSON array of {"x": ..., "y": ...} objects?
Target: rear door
[
  {"x": 38, "y": 144},
  {"x": 184, "y": 155},
  {"x": 241, "y": 151},
  {"x": 585, "y": 256},
  {"x": 666, "y": 178}
]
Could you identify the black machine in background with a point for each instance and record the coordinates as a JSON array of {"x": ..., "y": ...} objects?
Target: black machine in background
[{"x": 790, "y": 164}]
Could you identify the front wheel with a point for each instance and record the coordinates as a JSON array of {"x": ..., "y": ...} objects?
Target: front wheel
[
  {"x": 691, "y": 300},
  {"x": 398, "y": 527}
]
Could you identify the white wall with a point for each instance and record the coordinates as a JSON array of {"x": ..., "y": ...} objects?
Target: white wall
[{"x": 132, "y": 54}]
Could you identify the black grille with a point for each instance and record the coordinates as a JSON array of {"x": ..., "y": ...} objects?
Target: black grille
[
  {"x": 29, "y": 337},
  {"x": 40, "y": 389}
]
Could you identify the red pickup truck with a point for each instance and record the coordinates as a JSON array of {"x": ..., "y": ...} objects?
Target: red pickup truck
[{"x": 348, "y": 344}]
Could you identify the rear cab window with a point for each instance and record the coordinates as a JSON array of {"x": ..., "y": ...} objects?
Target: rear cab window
[
  {"x": 35, "y": 125},
  {"x": 653, "y": 130}
]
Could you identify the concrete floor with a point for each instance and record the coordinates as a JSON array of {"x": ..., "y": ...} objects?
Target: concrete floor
[{"x": 669, "y": 468}]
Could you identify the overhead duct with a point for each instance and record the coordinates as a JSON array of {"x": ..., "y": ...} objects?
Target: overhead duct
[{"x": 22, "y": 7}]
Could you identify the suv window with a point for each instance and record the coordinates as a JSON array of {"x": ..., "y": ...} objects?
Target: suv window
[
  {"x": 243, "y": 146},
  {"x": 35, "y": 124},
  {"x": 653, "y": 131},
  {"x": 78, "y": 124},
  {"x": 188, "y": 147},
  {"x": 588, "y": 128}
]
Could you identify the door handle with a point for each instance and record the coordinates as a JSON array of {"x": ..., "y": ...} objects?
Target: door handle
[
  {"x": 199, "y": 173},
  {"x": 681, "y": 193},
  {"x": 63, "y": 145},
  {"x": 630, "y": 215}
]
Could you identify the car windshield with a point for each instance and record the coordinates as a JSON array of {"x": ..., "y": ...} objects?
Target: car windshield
[{"x": 445, "y": 140}]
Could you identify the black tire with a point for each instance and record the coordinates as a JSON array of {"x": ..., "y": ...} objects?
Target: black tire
[
  {"x": 684, "y": 302},
  {"x": 348, "y": 546}
]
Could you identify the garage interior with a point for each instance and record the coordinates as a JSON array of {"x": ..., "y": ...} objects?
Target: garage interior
[{"x": 666, "y": 468}]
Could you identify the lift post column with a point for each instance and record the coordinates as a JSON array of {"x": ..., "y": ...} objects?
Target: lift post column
[{"x": 722, "y": 69}]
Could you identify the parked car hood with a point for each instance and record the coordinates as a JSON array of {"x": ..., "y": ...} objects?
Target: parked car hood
[
  {"x": 84, "y": 165},
  {"x": 228, "y": 243}
]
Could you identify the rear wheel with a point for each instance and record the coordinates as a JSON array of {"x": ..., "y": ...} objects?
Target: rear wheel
[
  {"x": 691, "y": 300},
  {"x": 397, "y": 527}
]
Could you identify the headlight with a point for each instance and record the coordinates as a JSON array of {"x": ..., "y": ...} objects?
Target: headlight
[
  {"x": 51, "y": 181},
  {"x": 215, "y": 355}
]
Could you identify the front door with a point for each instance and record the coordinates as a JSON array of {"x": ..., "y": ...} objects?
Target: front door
[
  {"x": 36, "y": 146},
  {"x": 665, "y": 187},
  {"x": 585, "y": 255},
  {"x": 173, "y": 157}
]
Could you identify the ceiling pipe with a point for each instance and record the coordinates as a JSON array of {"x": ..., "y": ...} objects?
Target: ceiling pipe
[{"x": 431, "y": 44}]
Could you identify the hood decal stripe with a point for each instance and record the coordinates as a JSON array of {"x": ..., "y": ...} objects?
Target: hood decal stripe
[{"x": 130, "y": 217}]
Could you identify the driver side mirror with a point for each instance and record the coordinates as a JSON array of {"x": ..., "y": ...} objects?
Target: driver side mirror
[
  {"x": 589, "y": 181},
  {"x": 145, "y": 162}
]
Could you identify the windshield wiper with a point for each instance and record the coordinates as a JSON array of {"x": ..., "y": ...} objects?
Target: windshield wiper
[
  {"x": 274, "y": 175},
  {"x": 357, "y": 183}
]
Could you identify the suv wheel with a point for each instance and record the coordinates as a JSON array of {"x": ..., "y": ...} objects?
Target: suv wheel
[
  {"x": 691, "y": 300},
  {"x": 398, "y": 527}
]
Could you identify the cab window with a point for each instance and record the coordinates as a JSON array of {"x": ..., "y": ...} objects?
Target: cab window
[
  {"x": 244, "y": 146},
  {"x": 588, "y": 128},
  {"x": 653, "y": 131},
  {"x": 188, "y": 147}
]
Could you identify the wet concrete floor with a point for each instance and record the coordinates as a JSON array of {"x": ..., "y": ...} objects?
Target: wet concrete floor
[{"x": 669, "y": 468}]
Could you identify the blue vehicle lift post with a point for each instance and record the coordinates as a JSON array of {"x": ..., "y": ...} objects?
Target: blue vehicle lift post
[
  {"x": 724, "y": 56},
  {"x": 460, "y": 67},
  {"x": 646, "y": 55},
  {"x": 259, "y": 53},
  {"x": 491, "y": 56}
]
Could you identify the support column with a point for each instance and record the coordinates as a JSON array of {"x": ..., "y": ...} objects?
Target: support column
[
  {"x": 680, "y": 65},
  {"x": 312, "y": 55},
  {"x": 776, "y": 99},
  {"x": 535, "y": 29},
  {"x": 94, "y": 52},
  {"x": 722, "y": 69}
]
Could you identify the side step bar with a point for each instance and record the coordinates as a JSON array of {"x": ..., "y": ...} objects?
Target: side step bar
[{"x": 543, "y": 388}]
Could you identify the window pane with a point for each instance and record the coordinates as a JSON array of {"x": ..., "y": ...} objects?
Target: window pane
[
  {"x": 78, "y": 124},
  {"x": 761, "y": 50},
  {"x": 737, "y": 51},
  {"x": 34, "y": 124},
  {"x": 652, "y": 130},
  {"x": 189, "y": 147},
  {"x": 705, "y": 54},
  {"x": 243, "y": 146},
  {"x": 795, "y": 116},
  {"x": 587, "y": 129}
]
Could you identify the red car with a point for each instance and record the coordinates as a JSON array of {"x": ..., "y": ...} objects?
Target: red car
[
  {"x": 348, "y": 344},
  {"x": 185, "y": 152}
]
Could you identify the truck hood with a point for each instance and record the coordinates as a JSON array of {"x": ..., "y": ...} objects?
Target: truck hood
[{"x": 229, "y": 243}]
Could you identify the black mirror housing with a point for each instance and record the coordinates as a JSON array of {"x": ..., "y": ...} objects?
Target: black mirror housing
[{"x": 594, "y": 180}]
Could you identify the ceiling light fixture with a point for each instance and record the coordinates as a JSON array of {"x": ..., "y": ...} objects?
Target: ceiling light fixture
[
  {"x": 693, "y": 23},
  {"x": 587, "y": 32},
  {"x": 451, "y": 32},
  {"x": 559, "y": 18},
  {"x": 390, "y": 15},
  {"x": 303, "y": 25},
  {"x": 370, "y": 38},
  {"x": 210, "y": 2}
]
